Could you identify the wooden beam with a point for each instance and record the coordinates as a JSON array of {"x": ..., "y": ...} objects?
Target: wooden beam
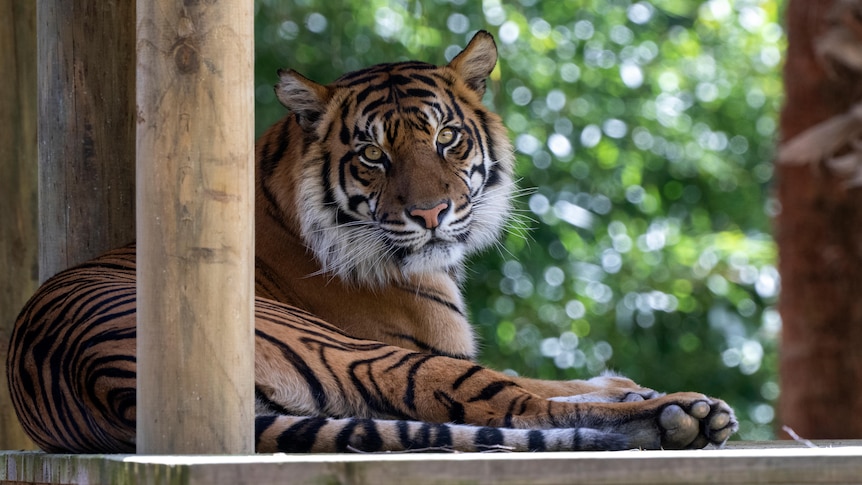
[
  {"x": 19, "y": 267},
  {"x": 785, "y": 464},
  {"x": 86, "y": 129},
  {"x": 195, "y": 227}
]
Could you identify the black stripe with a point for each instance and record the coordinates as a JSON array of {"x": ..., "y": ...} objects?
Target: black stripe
[
  {"x": 367, "y": 439},
  {"x": 425, "y": 347},
  {"x": 300, "y": 437},
  {"x": 424, "y": 294},
  {"x": 342, "y": 217},
  {"x": 393, "y": 131},
  {"x": 315, "y": 386},
  {"x": 124, "y": 402},
  {"x": 576, "y": 439},
  {"x": 419, "y": 440},
  {"x": 401, "y": 362},
  {"x": 507, "y": 420},
  {"x": 493, "y": 178},
  {"x": 410, "y": 392},
  {"x": 325, "y": 173},
  {"x": 354, "y": 171},
  {"x": 492, "y": 390},
  {"x": 344, "y": 133},
  {"x": 362, "y": 96},
  {"x": 420, "y": 93},
  {"x": 404, "y": 437},
  {"x": 442, "y": 435},
  {"x": 480, "y": 168},
  {"x": 456, "y": 409},
  {"x": 399, "y": 80},
  {"x": 456, "y": 105},
  {"x": 273, "y": 151},
  {"x": 467, "y": 150},
  {"x": 261, "y": 424},
  {"x": 358, "y": 77},
  {"x": 374, "y": 401},
  {"x": 523, "y": 404},
  {"x": 354, "y": 202},
  {"x": 424, "y": 79},
  {"x": 269, "y": 403},
  {"x": 117, "y": 397},
  {"x": 488, "y": 437},
  {"x": 536, "y": 440},
  {"x": 342, "y": 177},
  {"x": 470, "y": 372}
]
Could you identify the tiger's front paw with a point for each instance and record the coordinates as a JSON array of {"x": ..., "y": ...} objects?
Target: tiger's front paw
[{"x": 689, "y": 420}]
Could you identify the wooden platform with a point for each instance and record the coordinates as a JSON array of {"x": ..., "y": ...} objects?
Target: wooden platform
[{"x": 772, "y": 462}]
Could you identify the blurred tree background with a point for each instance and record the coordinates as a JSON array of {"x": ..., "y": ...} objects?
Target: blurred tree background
[{"x": 645, "y": 133}]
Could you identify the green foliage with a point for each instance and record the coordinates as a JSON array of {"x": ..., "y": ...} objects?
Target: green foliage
[{"x": 646, "y": 131}]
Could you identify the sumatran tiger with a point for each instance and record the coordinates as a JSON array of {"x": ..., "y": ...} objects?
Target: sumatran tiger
[{"x": 369, "y": 195}]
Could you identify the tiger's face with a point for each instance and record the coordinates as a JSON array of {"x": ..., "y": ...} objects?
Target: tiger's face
[{"x": 404, "y": 170}]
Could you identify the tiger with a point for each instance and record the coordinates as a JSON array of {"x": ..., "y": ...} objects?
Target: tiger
[{"x": 370, "y": 194}]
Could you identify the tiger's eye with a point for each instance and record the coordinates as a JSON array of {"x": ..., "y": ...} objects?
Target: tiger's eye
[
  {"x": 372, "y": 153},
  {"x": 445, "y": 136}
]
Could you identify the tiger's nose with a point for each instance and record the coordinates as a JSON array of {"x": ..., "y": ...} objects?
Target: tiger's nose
[{"x": 432, "y": 217}]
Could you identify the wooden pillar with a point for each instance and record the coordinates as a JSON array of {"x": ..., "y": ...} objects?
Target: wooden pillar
[
  {"x": 195, "y": 227},
  {"x": 86, "y": 129},
  {"x": 19, "y": 268}
]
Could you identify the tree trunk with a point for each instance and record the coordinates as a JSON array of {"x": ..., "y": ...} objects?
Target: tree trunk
[
  {"x": 819, "y": 235},
  {"x": 19, "y": 269}
]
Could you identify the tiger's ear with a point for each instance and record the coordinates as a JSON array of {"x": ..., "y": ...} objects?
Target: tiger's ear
[
  {"x": 303, "y": 96},
  {"x": 475, "y": 63}
]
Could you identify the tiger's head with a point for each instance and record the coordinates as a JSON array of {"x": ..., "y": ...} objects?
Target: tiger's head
[{"x": 404, "y": 171}]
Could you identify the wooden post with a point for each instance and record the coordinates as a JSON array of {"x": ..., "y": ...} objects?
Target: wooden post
[
  {"x": 195, "y": 227},
  {"x": 86, "y": 129},
  {"x": 19, "y": 266}
]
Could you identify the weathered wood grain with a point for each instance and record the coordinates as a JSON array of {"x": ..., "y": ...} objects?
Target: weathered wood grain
[
  {"x": 86, "y": 129},
  {"x": 18, "y": 188},
  {"x": 775, "y": 464},
  {"x": 195, "y": 228}
]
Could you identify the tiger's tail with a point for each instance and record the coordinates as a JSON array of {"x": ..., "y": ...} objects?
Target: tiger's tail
[{"x": 295, "y": 434}]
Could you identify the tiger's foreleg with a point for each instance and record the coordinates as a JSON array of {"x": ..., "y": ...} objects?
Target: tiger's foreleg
[
  {"x": 644, "y": 418},
  {"x": 307, "y": 370},
  {"x": 608, "y": 387}
]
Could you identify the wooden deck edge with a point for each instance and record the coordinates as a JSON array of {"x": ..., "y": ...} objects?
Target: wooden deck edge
[{"x": 773, "y": 462}]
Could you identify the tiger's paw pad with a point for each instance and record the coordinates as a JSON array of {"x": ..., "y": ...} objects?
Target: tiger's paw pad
[{"x": 696, "y": 424}]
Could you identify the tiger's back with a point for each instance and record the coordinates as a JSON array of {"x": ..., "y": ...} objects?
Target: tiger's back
[{"x": 370, "y": 195}]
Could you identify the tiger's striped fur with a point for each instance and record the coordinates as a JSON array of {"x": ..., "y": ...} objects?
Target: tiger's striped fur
[{"x": 369, "y": 196}]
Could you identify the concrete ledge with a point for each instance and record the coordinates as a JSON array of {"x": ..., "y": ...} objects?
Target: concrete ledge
[{"x": 772, "y": 462}]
